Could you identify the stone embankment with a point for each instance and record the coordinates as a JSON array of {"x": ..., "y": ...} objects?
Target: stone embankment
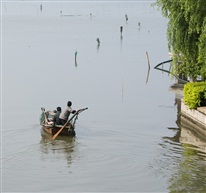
[
  {"x": 192, "y": 121},
  {"x": 195, "y": 117}
]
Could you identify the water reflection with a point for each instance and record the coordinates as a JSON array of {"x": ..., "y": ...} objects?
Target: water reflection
[
  {"x": 121, "y": 39},
  {"x": 187, "y": 157},
  {"x": 61, "y": 147},
  {"x": 75, "y": 63},
  {"x": 121, "y": 42},
  {"x": 122, "y": 90},
  {"x": 174, "y": 138},
  {"x": 191, "y": 173},
  {"x": 98, "y": 45},
  {"x": 192, "y": 137}
]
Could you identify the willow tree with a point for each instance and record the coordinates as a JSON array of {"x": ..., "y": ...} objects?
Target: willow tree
[{"x": 186, "y": 35}]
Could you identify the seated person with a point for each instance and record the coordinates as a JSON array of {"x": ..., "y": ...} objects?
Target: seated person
[{"x": 56, "y": 119}]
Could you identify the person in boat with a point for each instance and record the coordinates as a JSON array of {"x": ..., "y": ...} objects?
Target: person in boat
[
  {"x": 64, "y": 115},
  {"x": 56, "y": 119}
]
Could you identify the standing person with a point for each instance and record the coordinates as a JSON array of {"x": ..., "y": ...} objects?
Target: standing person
[
  {"x": 65, "y": 113},
  {"x": 56, "y": 116}
]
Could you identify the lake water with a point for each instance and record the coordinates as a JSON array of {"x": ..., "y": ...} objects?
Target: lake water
[{"x": 128, "y": 140}]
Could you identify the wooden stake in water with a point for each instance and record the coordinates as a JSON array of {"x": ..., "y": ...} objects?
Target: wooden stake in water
[
  {"x": 147, "y": 78},
  {"x": 126, "y": 17},
  {"x": 148, "y": 67},
  {"x": 98, "y": 41},
  {"x": 75, "y": 55},
  {"x": 139, "y": 25},
  {"x": 148, "y": 60},
  {"x": 121, "y": 30},
  {"x": 75, "y": 58}
]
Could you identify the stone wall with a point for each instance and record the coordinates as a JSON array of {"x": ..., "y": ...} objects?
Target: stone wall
[{"x": 195, "y": 118}]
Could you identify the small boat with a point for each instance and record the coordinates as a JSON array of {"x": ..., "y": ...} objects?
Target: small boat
[{"x": 48, "y": 125}]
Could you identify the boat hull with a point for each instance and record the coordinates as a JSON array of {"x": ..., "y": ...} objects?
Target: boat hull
[{"x": 67, "y": 131}]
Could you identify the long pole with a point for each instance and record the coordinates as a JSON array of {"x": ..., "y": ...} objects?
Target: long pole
[
  {"x": 75, "y": 114},
  {"x": 148, "y": 60}
]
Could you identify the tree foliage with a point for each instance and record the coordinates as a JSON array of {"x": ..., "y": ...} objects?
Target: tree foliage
[
  {"x": 195, "y": 94},
  {"x": 186, "y": 35}
]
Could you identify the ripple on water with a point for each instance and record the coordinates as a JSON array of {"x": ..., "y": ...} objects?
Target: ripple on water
[{"x": 113, "y": 153}]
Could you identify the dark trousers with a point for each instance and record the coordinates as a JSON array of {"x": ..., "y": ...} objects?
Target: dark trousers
[{"x": 63, "y": 121}]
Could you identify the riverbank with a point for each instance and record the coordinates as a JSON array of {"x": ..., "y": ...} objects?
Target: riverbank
[{"x": 196, "y": 118}]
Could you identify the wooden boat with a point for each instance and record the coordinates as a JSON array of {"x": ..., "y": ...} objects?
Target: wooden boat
[
  {"x": 49, "y": 127},
  {"x": 68, "y": 130}
]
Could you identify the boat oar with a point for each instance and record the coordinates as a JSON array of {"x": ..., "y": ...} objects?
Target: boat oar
[{"x": 75, "y": 114}]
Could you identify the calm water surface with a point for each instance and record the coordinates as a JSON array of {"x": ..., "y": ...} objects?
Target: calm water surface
[{"x": 128, "y": 140}]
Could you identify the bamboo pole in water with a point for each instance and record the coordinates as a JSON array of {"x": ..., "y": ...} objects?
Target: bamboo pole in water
[{"x": 148, "y": 60}]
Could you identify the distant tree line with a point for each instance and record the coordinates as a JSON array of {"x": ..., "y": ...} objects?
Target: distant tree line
[{"x": 186, "y": 34}]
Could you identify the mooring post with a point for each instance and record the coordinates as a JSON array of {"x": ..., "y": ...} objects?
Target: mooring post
[
  {"x": 139, "y": 25},
  {"x": 121, "y": 30},
  {"x": 98, "y": 41},
  {"x": 75, "y": 55},
  {"x": 75, "y": 58},
  {"x": 126, "y": 17}
]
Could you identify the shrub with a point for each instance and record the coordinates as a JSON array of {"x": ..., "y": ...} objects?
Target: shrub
[{"x": 195, "y": 94}]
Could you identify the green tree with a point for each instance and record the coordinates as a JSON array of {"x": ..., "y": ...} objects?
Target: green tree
[{"x": 186, "y": 35}]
